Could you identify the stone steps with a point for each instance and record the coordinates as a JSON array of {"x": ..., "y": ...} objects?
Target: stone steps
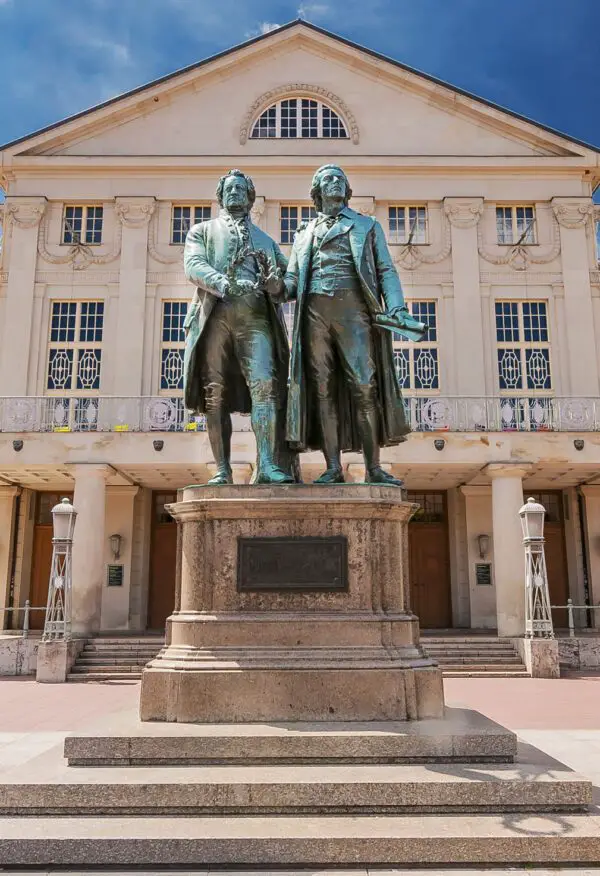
[
  {"x": 115, "y": 658},
  {"x": 474, "y": 656},
  {"x": 170, "y": 841}
]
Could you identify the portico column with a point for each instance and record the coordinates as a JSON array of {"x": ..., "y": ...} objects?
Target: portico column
[
  {"x": 463, "y": 215},
  {"x": 89, "y": 501},
  {"x": 591, "y": 494},
  {"x": 135, "y": 215},
  {"x": 8, "y": 497},
  {"x": 24, "y": 218},
  {"x": 574, "y": 218},
  {"x": 509, "y": 562}
]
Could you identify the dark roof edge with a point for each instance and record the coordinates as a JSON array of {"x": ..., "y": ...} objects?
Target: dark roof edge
[{"x": 371, "y": 52}]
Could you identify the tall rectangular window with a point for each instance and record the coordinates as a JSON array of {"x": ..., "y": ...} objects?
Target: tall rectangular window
[
  {"x": 184, "y": 216},
  {"x": 75, "y": 347},
  {"x": 290, "y": 216},
  {"x": 523, "y": 347},
  {"x": 407, "y": 223},
  {"x": 417, "y": 363},
  {"x": 82, "y": 224},
  {"x": 172, "y": 347},
  {"x": 515, "y": 224}
]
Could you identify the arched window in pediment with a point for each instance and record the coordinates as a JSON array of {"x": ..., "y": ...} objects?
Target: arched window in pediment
[{"x": 299, "y": 117}]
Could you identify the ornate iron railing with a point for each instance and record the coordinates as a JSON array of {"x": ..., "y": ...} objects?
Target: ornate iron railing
[{"x": 432, "y": 413}]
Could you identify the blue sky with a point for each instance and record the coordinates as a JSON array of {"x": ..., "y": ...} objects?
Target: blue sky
[{"x": 537, "y": 57}]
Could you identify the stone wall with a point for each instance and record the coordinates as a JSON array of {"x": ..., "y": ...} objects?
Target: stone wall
[
  {"x": 579, "y": 652},
  {"x": 18, "y": 656}
]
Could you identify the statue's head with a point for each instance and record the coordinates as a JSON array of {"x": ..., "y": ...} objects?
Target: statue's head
[
  {"x": 330, "y": 181},
  {"x": 236, "y": 191}
]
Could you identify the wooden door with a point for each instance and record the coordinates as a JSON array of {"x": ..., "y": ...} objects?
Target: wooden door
[
  {"x": 163, "y": 555},
  {"x": 42, "y": 555},
  {"x": 429, "y": 564},
  {"x": 556, "y": 552}
]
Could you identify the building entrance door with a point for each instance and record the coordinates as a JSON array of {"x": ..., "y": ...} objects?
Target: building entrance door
[
  {"x": 163, "y": 553},
  {"x": 429, "y": 564},
  {"x": 42, "y": 554},
  {"x": 556, "y": 552}
]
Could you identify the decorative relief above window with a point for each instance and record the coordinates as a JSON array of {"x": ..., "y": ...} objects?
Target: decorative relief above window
[
  {"x": 81, "y": 231},
  {"x": 407, "y": 224},
  {"x": 517, "y": 239},
  {"x": 299, "y": 111}
]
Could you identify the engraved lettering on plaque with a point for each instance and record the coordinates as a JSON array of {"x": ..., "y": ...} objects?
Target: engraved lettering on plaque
[{"x": 292, "y": 564}]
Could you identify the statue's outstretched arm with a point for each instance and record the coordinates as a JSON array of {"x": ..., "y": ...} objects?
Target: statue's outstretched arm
[{"x": 196, "y": 266}]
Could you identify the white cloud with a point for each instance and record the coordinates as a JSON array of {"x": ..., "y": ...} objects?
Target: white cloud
[
  {"x": 263, "y": 27},
  {"x": 313, "y": 10}
]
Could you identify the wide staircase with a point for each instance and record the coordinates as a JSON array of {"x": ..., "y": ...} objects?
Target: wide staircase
[
  {"x": 473, "y": 656},
  {"x": 115, "y": 658}
]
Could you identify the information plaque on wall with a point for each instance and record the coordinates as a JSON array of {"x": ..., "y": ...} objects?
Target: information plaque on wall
[
  {"x": 299, "y": 564},
  {"x": 483, "y": 574},
  {"x": 114, "y": 575}
]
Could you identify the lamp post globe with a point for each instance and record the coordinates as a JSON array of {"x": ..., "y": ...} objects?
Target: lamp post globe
[
  {"x": 532, "y": 516},
  {"x": 63, "y": 520}
]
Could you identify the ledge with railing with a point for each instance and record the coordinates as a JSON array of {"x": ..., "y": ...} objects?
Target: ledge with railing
[{"x": 433, "y": 413}]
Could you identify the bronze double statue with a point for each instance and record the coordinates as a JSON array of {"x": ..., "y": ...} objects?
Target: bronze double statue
[{"x": 343, "y": 392}]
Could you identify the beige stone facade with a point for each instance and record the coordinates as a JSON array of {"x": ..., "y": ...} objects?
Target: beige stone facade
[{"x": 504, "y": 394}]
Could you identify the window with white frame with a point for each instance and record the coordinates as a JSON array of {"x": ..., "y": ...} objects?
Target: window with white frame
[
  {"x": 516, "y": 224},
  {"x": 83, "y": 224},
  {"x": 172, "y": 347},
  {"x": 407, "y": 223},
  {"x": 417, "y": 363},
  {"x": 75, "y": 347},
  {"x": 299, "y": 117},
  {"x": 290, "y": 216},
  {"x": 184, "y": 216},
  {"x": 523, "y": 348}
]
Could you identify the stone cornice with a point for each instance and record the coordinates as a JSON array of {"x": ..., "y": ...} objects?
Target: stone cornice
[
  {"x": 297, "y": 88},
  {"x": 25, "y": 212},
  {"x": 572, "y": 212},
  {"x": 463, "y": 212},
  {"x": 135, "y": 212}
]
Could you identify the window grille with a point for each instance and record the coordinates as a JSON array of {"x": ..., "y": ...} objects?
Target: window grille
[
  {"x": 184, "y": 216},
  {"x": 406, "y": 223},
  {"x": 516, "y": 224},
  {"x": 172, "y": 347},
  {"x": 83, "y": 224},
  {"x": 290, "y": 216},
  {"x": 299, "y": 117},
  {"x": 75, "y": 347},
  {"x": 417, "y": 363}
]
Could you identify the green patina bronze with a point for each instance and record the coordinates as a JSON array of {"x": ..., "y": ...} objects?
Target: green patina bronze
[
  {"x": 237, "y": 352},
  {"x": 343, "y": 391}
]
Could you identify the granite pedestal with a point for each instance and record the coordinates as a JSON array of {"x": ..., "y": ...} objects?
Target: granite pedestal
[{"x": 292, "y": 653}]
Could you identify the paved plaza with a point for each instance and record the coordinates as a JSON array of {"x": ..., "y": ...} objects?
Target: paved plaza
[{"x": 560, "y": 717}]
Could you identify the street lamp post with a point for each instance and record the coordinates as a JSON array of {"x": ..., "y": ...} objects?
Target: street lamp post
[
  {"x": 538, "y": 616},
  {"x": 57, "y": 623}
]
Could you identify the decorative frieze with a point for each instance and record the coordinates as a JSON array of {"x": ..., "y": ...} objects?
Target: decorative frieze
[
  {"x": 172, "y": 257},
  {"x": 463, "y": 212},
  {"x": 135, "y": 212},
  {"x": 572, "y": 212},
  {"x": 520, "y": 256},
  {"x": 411, "y": 256},
  {"x": 25, "y": 212},
  {"x": 79, "y": 255}
]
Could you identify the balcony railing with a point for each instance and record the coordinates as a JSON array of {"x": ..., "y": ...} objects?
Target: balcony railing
[{"x": 426, "y": 414}]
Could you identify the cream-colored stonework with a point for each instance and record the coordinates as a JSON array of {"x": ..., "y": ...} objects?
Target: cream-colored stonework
[{"x": 411, "y": 141}]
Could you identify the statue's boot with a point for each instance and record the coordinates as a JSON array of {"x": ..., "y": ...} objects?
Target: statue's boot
[
  {"x": 264, "y": 425},
  {"x": 331, "y": 476},
  {"x": 369, "y": 428},
  {"x": 219, "y": 428}
]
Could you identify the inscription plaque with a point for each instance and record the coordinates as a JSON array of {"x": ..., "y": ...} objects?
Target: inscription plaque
[
  {"x": 292, "y": 564},
  {"x": 483, "y": 574},
  {"x": 114, "y": 575}
]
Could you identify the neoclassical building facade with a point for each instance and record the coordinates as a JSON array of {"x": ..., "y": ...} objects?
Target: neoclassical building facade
[{"x": 490, "y": 221}]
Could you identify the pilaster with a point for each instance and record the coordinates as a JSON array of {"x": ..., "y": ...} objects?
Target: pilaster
[
  {"x": 591, "y": 495},
  {"x": 24, "y": 215},
  {"x": 134, "y": 213},
  {"x": 573, "y": 216},
  {"x": 464, "y": 215},
  {"x": 478, "y": 513},
  {"x": 119, "y": 521},
  {"x": 8, "y": 522}
]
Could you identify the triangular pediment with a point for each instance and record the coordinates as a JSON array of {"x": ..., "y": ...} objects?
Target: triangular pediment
[{"x": 205, "y": 110}]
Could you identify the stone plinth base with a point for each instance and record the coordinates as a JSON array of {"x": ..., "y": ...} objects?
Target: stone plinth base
[
  {"x": 292, "y": 654},
  {"x": 55, "y": 659},
  {"x": 540, "y": 657}
]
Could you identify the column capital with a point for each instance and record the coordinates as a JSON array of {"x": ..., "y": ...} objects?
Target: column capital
[
  {"x": 463, "y": 212},
  {"x": 507, "y": 469},
  {"x": 476, "y": 490},
  {"x": 364, "y": 204},
  {"x": 572, "y": 212},
  {"x": 90, "y": 470},
  {"x": 10, "y": 492},
  {"x": 590, "y": 490},
  {"x": 26, "y": 212},
  {"x": 121, "y": 490},
  {"x": 135, "y": 212}
]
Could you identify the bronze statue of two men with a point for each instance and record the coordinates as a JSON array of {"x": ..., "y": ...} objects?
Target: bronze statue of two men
[{"x": 340, "y": 391}]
